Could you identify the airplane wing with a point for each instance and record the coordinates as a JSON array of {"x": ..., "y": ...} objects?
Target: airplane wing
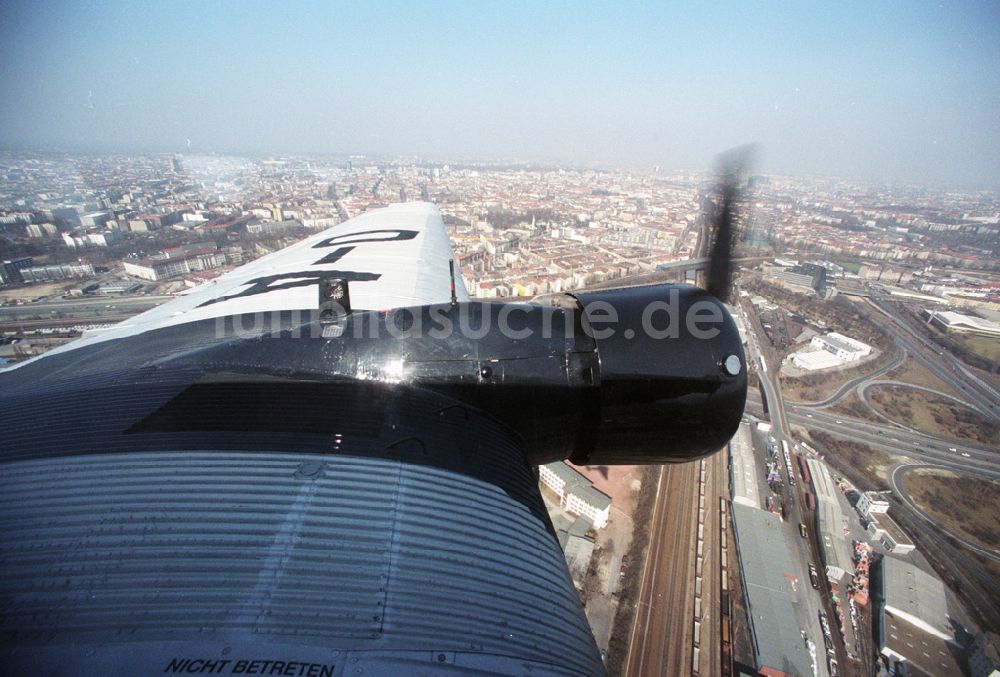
[
  {"x": 181, "y": 499},
  {"x": 392, "y": 258},
  {"x": 323, "y": 462}
]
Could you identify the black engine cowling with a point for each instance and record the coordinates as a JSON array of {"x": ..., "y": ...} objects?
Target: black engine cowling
[
  {"x": 650, "y": 374},
  {"x": 672, "y": 375}
]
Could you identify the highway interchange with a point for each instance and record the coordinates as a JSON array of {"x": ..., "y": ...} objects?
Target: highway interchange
[
  {"x": 919, "y": 449},
  {"x": 941, "y": 363}
]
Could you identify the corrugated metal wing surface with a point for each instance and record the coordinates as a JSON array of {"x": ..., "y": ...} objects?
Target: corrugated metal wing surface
[{"x": 354, "y": 554}]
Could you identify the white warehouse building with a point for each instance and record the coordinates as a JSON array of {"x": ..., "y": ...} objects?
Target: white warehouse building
[
  {"x": 844, "y": 347},
  {"x": 815, "y": 360}
]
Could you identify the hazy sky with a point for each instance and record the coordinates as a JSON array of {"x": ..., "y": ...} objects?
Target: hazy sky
[{"x": 895, "y": 90}]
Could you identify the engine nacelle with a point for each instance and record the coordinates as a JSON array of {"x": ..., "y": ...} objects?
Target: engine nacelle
[
  {"x": 672, "y": 374},
  {"x": 650, "y": 374},
  {"x": 639, "y": 375}
]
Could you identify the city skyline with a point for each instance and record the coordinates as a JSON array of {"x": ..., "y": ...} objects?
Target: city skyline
[{"x": 904, "y": 93}]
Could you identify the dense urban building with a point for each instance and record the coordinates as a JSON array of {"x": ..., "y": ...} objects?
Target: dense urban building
[{"x": 12, "y": 272}]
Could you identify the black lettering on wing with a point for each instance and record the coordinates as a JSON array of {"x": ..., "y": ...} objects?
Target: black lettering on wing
[
  {"x": 269, "y": 283},
  {"x": 358, "y": 238}
]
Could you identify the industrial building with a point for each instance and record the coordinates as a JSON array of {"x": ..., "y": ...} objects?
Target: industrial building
[
  {"x": 815, "y": 360},
  {"x": 912, "y": 625},
  {"x": 577, "y": 495},
  {"x": 831, "y": 524},
  {"x": 765, "y": 571},
  {"x": 951, "y": 321},
  {"x": 743, "y": 469},
  {"x": 844, "y": 347},
  {"x": 892, "y": 537},
  {"x": 830, "y": 350}
]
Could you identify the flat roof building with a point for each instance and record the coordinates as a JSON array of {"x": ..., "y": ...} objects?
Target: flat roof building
[
  {"x": 831, "y": 524},
  {"x": 816, "y": 360},
  {"x": 743, "y": 468},
  {"x": 872, "y": 502},
  {"x": 844, "y": 347},
  {"x": 948, "y": 320},
  {"x": 912, "y": 625},
  {"x": 766, "y": 572},
  {"x": 577, "y": 547},
  {"x": 576, "y": 493},
  {"x": 884, "y": 529}
]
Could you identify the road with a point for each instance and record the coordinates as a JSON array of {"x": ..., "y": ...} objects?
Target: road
[
  {"x": 88, "y": 310},
  {"x": 954, "y": 563},
  {"x": 766, "y": 375},
  {"x": 980, "y": 394},
  {"x": 84, "y": 305},
  {"x": 974, "y": 391},
  {"x": 971, "y": 459},
  {"x": 864, "y": 396},
  {"x": 896, "y": 474},
  {"x": 967, "y": 458},
  {"x": 962, "y": 572},
  {"x": 962, "y": 457}
]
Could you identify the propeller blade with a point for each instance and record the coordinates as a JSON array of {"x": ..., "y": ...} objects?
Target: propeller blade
[
  {"x": 723, "y": 223},
  {"x": 720, "y": 272}
]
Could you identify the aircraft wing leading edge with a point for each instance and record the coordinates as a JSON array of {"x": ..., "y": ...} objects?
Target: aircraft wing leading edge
[{"x": 392, "y": 258}]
